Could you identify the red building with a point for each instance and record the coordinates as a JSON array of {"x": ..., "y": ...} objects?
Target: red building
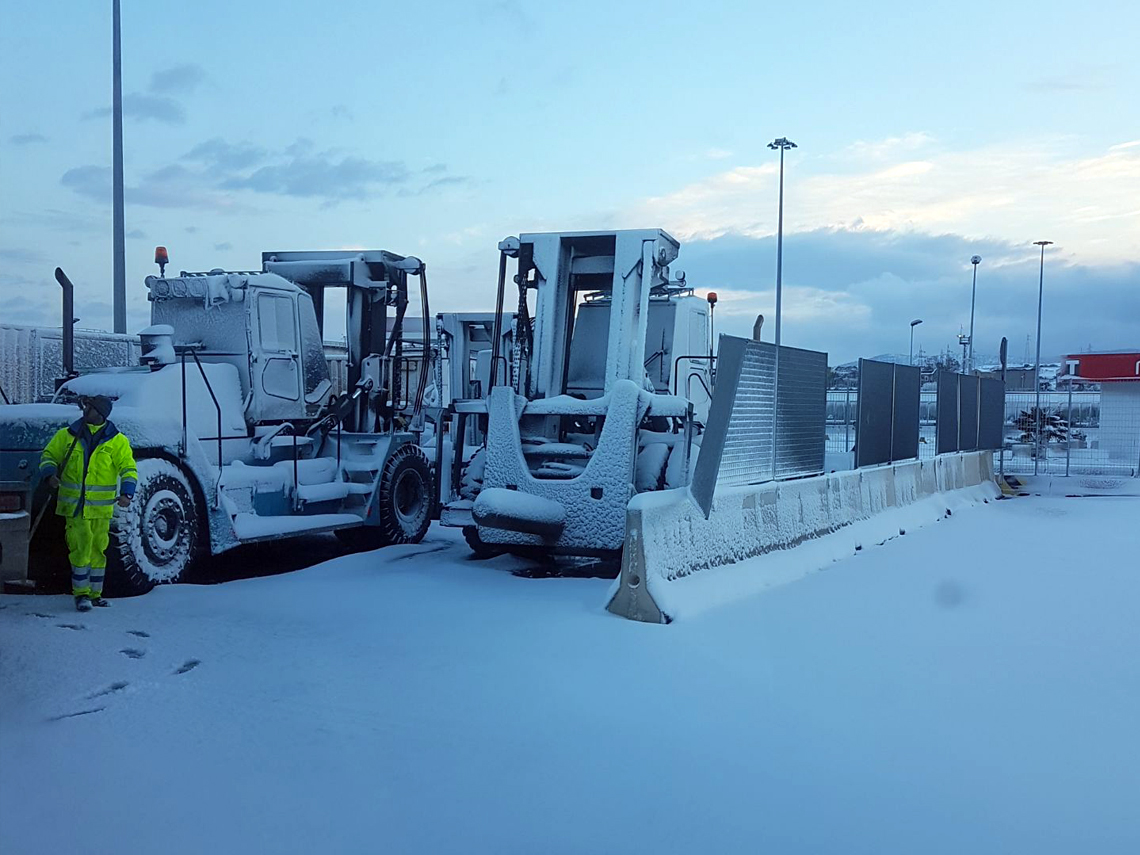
[{"x": 1119, "y": 375}]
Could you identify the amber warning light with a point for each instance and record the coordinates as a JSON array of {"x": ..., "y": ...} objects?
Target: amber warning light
[
  {"x": 711, "y": 298},
  {"x": 161, "y": 258}
]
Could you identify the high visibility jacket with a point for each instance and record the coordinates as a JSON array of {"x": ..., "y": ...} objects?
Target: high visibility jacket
[{"x": 99, "y": 468}]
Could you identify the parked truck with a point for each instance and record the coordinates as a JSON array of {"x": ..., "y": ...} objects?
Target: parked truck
[{"x": 238, "y": 434}]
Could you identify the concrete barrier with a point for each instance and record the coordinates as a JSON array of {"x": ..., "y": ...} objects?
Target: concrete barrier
[{"x": 669, "y": 542}]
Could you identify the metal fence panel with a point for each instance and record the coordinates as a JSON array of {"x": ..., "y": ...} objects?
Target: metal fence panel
[
  {"x": 904, "y": 431},
  {"x": 873, "y": 413},
  {"x": 991, "y": 405},
  {"x": 946, "y": 431},
  {"x": 802, "y": 411},
  {"x": 737, "y": 444},
  {"x": 967, "y": 413}
]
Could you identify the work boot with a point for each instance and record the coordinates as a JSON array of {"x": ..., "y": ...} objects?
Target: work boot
[
  {"x": 99, "y": 602},
  {"x": 82, "y": 604}
]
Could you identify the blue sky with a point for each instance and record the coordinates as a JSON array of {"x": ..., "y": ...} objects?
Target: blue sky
[{"x": 926, "y": 135}]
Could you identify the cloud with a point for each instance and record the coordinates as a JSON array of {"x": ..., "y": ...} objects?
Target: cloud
[
  {"x": 223, "y": 157},
  {"x": 214, "y": 173},
  {"x": 27, "y": 139},
  {"x": 223, "y": 247},
  {"x": 139, "y": 105},
  {"x": 853, "y": 293},
  {"x": 1022, "y": 190},
  {"x": 93, "y": 182},
  {"x": 135, "y": 234},
  {"x": 717, "y": 153},
  {"x": 177, "y": 80},
  {"x": 323, "y": 177}
]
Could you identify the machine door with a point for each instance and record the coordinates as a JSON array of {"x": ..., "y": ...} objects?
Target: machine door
[{"x": 279, "y": 369}]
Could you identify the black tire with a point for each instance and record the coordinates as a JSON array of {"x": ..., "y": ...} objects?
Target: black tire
[
  {"x": 481, "y": 550},
  {"x": 155, "y": 539},
  {"x": 404, "y": 503}
]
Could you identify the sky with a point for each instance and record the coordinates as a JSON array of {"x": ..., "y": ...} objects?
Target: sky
[{"x": 925, "y": 135}]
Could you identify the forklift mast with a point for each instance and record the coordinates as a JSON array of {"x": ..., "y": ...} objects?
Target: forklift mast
[{"x": 375, "y": 281}]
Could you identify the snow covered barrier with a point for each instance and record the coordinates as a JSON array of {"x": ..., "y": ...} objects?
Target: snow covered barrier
[{"x": 676, "y": 562}]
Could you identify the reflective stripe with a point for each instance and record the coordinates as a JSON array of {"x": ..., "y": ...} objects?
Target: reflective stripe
[
  {"x": 70, "y": 485},
  {"x": 102, "y": 487},
  {"x": 100, "y": 502}
]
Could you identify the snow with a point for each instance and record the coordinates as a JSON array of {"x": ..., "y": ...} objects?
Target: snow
[
  {"x": 591, "y": 522},
  {"x": 495, "y": 505},
  {"x": 969, "y": 687}
]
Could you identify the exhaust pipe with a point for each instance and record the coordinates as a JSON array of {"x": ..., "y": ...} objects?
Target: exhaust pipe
[{"x": 68, "y": 323}]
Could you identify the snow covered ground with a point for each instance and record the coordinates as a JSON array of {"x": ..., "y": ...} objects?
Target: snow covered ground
[{"x": 972, "y": 687}]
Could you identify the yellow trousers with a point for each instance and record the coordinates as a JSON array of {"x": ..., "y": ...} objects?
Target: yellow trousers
[{"x": 87, "y": 541}]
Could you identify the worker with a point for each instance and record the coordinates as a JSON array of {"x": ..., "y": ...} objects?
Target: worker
[{"x": 93, "y": 467}]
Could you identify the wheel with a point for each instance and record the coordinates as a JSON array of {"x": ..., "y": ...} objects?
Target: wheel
[
  {"x": 482, "y": 551},
  {"x": 405, "y": 500},
  {"x": 404, "y": 503},
  {"x": 155, "y": 538}
]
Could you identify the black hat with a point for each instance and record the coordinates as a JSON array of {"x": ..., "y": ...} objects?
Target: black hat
[{"x": 100, "y": 404}]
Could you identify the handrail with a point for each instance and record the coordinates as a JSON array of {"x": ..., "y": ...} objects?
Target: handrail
[
  {"x": 217, "y": 408},
  {"x": 689, "y": 384},
  {"x": 677, "y": 362}
]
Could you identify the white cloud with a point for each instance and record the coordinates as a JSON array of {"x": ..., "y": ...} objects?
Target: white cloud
[{"x": 1016, "y": 191}]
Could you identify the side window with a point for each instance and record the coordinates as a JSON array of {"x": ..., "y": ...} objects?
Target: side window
[
  {"x": 275, "y": 323},
  {"x": 315, "y": 367}
]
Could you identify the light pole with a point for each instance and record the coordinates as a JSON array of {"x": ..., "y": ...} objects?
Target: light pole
[
  {"x": 913, "y": 324},
  {"x": 783, "y": 144},
  {"x": 1037, "y": 362},
  {"x": 119, "y": 278},
  {"x": 969, "y": 367}
]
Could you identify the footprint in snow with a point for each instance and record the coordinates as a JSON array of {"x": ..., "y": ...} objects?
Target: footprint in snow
[
  {"x": 76, "y": 714},
  {"x": 133, "y": 652},
  {"x": 75, "y": 626},
  {"x": 188, "y": 665},
  {"x": 117, "y": 686},
  {"x": 40, "y": 615},
  {"x": 138, "y": 633}
]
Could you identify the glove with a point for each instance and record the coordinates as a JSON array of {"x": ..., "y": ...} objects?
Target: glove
[
  {"x": 53, "y": 481},
  {"x": 124, "y": 501}
]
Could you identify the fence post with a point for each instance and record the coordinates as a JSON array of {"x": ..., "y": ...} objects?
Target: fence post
[
  {"x": 847, "y": 420},
  {"x": 1069, "y": 432}
]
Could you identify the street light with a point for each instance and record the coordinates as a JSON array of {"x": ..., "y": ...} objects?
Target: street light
[
  {"x": 783, "y": 144},
  {"x": 1037, "y": 363},
  {"x": 913, "y": 324},
  {"x": 976, "y": 260}
]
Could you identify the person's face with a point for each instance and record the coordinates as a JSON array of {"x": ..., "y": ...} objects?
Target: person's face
[{"x": 91, "y": 415}]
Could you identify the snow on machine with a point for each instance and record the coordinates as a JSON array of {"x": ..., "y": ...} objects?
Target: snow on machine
[
  {"x": 601, "y": 396},
  {"x": 237, "y": 431}
]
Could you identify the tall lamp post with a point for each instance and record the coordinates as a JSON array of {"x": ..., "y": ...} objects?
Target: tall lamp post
[
  {"x": 969, "y": 366},
  {"x": 119, "y": 278},
  {"x": 783, "y": 144},
  {"x": 913, "y": 324},
  {"x": 1037, "y": 361}
]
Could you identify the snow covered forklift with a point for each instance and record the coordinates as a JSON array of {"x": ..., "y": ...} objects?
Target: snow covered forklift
[
  {"x": 601, "y": 396},
  {"x": 237, "y": 432}
]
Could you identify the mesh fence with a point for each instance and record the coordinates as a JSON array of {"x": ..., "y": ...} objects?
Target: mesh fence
[{"x": 1096, "y": 433}]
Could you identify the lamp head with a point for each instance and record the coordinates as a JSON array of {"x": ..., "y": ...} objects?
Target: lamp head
[
  {"x": 977, "y": 259},
  {"x": 916, "y": 322}
]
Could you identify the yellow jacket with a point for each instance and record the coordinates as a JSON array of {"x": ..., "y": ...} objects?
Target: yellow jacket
[{"x": 99, "y": 468}]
